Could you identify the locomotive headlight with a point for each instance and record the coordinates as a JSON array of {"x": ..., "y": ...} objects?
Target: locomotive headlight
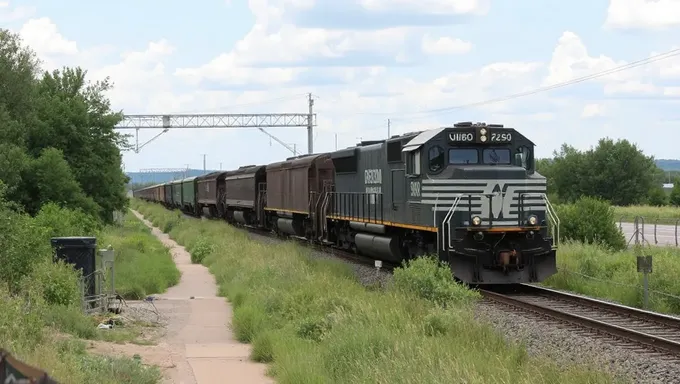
[
  {"x": 483, "y": 139},
  {"x": 532, "y": 220},
  {"x": 476, "y": 220}
]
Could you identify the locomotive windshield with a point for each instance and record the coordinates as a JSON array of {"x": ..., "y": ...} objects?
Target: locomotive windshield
[
  {"x": 463, "y": 156},
  {"x": 496, "y": 156}
]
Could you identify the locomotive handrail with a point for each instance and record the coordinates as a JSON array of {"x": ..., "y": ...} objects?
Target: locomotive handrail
[
  {"x": 447, "y": 221},
  {"x": 552, "y": 216}
]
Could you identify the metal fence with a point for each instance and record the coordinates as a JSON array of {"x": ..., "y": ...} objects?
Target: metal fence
[{"x": 651, "y": 231}]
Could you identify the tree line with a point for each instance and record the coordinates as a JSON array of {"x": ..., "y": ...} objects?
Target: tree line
[
  {"x": 616, "y": 171},
  {"x": 57, "y": 138}
]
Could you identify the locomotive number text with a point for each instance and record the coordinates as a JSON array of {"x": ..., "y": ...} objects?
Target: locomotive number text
[
  {"x": 501, "y": 137},
  {"x": 415, "y": 189}
]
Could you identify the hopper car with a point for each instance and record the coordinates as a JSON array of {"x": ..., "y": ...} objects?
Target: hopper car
[{"x": 469, "y": 194}]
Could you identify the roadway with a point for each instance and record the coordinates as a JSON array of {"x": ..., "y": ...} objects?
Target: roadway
[{"x": 665, "y": 234}]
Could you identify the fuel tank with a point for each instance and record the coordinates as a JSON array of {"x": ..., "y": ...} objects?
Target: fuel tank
[
  {"x": 379, "y": 246},
  {"x": 290, "y": 227}
]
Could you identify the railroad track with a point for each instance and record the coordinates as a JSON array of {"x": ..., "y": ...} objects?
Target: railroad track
[{"x": 633, "y": 327}]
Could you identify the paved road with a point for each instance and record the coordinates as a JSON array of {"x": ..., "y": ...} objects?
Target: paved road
[{"x": 665, "y": 234}]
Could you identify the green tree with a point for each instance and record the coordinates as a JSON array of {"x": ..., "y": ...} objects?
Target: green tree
[
  {"x": 657, "y": 196},
  {"x": 57, "y": 138},
  {"x": 618, "y": 172},
  {"x": 675, "y": 193}
]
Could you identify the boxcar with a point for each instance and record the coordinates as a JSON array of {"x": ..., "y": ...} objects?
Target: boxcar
[
  {"x": 243, "y": 190},
  {"x": 167, "y": 193},
  {"x": 176, "y": 188},
  {"x": 189, "y": 194},
  {"x": 294, "y": 188},
  {"x": 211, "y": 193}
]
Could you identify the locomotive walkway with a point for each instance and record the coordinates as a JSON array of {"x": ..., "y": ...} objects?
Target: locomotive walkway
[{"x": 202, "y": 348}]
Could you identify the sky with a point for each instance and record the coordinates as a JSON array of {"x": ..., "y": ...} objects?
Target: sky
[{"x": 417, "y": 63}]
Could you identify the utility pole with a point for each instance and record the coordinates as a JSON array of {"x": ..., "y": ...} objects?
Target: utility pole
[
  {"x": 220, "y": 166},
  {"x": 336, "y": 141},
  {"x": 204, "y": 163},
  {"x": 310, "y": 126},
  {"x": 388, "y": 128}
]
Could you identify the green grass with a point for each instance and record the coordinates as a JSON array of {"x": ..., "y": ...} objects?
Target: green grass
[
  {"x": 614, "y": 276},
  {"x": 143, "y": 266},
  {"x": 314, "y": 323},
  {"x": 660, "y": 215},
  {"x": 50, "y": 335}
]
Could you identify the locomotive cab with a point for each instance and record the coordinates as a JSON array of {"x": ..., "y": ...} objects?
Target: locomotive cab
[{"x": 494, "y": 221}]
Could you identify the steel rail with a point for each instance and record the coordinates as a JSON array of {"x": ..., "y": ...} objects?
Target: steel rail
[{"x": 648, "y": 340}]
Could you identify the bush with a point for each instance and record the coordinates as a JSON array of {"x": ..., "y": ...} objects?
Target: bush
[
  {"x": 591, "y": 221},
  {"x": 431, "y": 279}
]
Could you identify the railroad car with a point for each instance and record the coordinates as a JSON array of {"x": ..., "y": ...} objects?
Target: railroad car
[
  {"x": 189, "y": 203},
  {"x": 294, "y": 193},
  {"x": 469, "y": 194},
  {"x": 176, "y": 191},
  {"x": 242, "y": 191},
  {"x": 211, "y": 194}
]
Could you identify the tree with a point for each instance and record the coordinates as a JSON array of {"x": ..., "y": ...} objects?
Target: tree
[
  {"x": 675, "y": 193},
  {"x": 57, "y": 138},
  {"x": 614, "y": 171}
]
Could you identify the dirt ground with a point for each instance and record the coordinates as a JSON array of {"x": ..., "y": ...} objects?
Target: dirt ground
[{"x": 193, "y": 342}]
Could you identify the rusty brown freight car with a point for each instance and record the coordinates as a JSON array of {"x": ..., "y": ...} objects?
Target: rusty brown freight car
[
  {"x": 211, "y": 194},
  {"x": 242, "y": 194},
  {"x": 293, "y": 190}
]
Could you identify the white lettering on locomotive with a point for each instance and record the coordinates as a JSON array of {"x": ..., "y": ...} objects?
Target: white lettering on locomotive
[
  {"x": 415, "y": 189},
  {"x": 373, "y": 176},
  {"x": 461, "y": 136}
]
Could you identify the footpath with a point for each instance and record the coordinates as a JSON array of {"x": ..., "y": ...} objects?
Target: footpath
[{"x": 201, "y": 346}]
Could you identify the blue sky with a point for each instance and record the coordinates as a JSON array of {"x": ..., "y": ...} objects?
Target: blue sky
[{"x": 366, "y": 61}]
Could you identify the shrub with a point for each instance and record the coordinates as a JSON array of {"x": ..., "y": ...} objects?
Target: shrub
[
  {"x": 591, "y": 221},
  {"x": 431, "y": 279},
  {"x": 58, "y": 282},
  {"x": 201, "y": 249}
]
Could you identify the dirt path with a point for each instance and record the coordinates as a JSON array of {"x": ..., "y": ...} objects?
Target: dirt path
[{"x": 198, "y": 346}]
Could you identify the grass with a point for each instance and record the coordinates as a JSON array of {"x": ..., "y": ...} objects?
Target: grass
[
  {"x": 314, "y": 323},
  {"x": 598, "y": 272},
  {"x": 143, "y": 266},
  {"x": 40, "y": 331},
  {"x": 661, "y": 215}
]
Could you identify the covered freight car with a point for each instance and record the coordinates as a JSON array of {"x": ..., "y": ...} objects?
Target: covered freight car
[
  {"x": 176, "y": 191},
  {"x": 210, "y": 193},
  {"x": 294, "y": 188},
  {"x": 242, "y": 198},
  {"x": 189, "y": 195}
]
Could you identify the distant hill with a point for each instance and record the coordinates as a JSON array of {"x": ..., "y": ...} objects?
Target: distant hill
[
  {"x": 668, "y": 164},
  {"x": 162, "y": 177}
]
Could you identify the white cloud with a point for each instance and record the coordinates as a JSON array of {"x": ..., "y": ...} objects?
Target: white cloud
[
  {"x": 646, "y": 14},
  {"x": 445, "y": 45},
  {"x": 592, "y": 110},
  {"x": 429, "y": 6},
  {"x": 9, "y": 14},
  {"x": 44, "y": 38}
]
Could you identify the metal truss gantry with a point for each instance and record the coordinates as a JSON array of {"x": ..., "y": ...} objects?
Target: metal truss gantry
[{"x": 259, "y": 121}]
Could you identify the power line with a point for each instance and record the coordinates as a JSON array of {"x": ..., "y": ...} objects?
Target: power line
[{"x": 638, "y": 63}]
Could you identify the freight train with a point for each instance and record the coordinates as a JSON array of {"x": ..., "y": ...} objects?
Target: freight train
[{"x": 469, "y": 194}]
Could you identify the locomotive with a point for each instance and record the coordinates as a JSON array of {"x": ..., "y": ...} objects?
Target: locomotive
[{"x": 469, "y": 194}]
